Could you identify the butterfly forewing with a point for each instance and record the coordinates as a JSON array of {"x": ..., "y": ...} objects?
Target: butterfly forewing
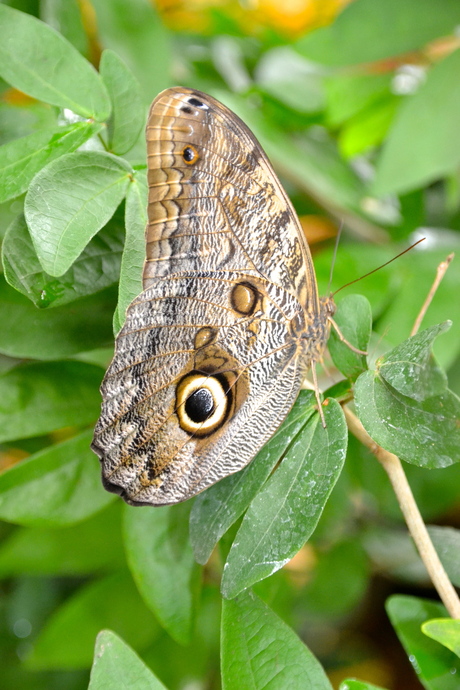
[{"x": 214, "y": 350}]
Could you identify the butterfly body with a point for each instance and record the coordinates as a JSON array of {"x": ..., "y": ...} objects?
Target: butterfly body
[{"x": 214, "y": 350}]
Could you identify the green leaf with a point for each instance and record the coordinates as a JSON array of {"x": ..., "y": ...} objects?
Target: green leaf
[
  {"x": 410, "y": 368},
  {"x": 40, "y": 397},
  {"x": 22, "y": 158},
  {"x": 40, "y": 62},
  {"x": 445, "y": 631},
  {"x": 348, "y": 558},
  {"x": 361, "y": 32},
  {"x": 67, "y": 640},
  {"x": 285, "y": 513},
  {"x": 446, "y": 541},
  {"x": 354, "y": 319},
  {"x": 436, "y": 667},
  {"x": 70, "y": 551},
  {"x": 57, "y": 486},
  {"x": 69, "y": 201},
  {"x": 128, "y": 111},
  {"x": 418, "y": 150},
  {"x": 259, "y": 651},
  {"x": 369, "y": 127},
  {"x": 353, "y": 684},
  {"x": 137, "y": 34},
  {"x": 217, "y": 508},
  {"x": 97, "y": 267},
  {"x": 132, "y": 262},
  {"x": 66, "y": 17},
  {"x": 424, "y": 433},
  {"x": 117, "y": 667},
  {"x": 350, "y": 94},
  {"x": 54, "y": 333},
  {"x": 161, "y": 561}
]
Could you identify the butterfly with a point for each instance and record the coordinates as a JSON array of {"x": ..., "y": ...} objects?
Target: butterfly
[{"x": 214, "y": 350}]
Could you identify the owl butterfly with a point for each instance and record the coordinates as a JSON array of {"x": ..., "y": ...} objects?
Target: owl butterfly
[{"x": 214, "y": 350}]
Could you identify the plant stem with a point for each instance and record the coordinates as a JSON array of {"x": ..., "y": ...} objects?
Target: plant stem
[
  {"x": 392, "y": 466},
  {"x": 441, "y": 270}
]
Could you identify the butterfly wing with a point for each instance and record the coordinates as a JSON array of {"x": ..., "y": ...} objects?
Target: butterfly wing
[
  {"x": 183, "y": 333},
  {"x": 215, "y": 202},
  {"x": 211, "y": 356}
]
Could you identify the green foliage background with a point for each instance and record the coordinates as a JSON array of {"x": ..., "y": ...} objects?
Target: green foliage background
[{"x": 360, "y": 119}]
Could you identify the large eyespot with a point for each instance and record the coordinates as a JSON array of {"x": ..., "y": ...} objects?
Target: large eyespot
[
  {"x": 202, "y": 403},
  {"x": 190, "y": 155}
]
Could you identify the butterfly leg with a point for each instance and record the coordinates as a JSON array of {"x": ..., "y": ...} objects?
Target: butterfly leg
[
  {"x": 317, "y": 394},
  {"x": 343, "y": 339}
]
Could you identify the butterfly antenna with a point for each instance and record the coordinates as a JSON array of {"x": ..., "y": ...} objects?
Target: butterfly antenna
[
  {"x": 334, "y": 256},
  {"x": 379, "y": 267}
]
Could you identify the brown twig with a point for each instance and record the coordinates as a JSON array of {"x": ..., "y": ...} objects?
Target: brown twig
[
  {"x": 442, "y": 268},
  {"x": 392, "y": 466}
]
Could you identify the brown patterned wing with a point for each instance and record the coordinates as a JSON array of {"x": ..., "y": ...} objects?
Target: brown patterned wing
[
  {"x": 212, "y": 354},
  {"x": 184, "y": 335},
  {"x": 215, "y": 202}
]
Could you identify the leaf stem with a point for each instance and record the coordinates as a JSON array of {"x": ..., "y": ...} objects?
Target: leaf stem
[
  {"x": 441, "y": 270},
  {"x": 393, "y": 467}
]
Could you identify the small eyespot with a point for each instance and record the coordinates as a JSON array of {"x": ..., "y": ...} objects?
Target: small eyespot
[
  {"x": 205, "y": 336},
  {"x": 187, "y": 110},
  {"x": 190, "y": 155},
  {"x": 197, "y": 103}
]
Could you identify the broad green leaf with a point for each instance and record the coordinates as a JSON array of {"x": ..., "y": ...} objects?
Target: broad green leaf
[
  {"x": 369, "y": 127},
  {"x": 66, "y": 17},
  {"x": 285, "y": 75},
  {"x": 348, "y": 558},
  {"x": 217, "y": 508},
  {"x": 117, "y": 667},
  {"x": 286, "y": 511},
  {"x": 418, "y": 149},
  {"x": 369, "y": 30},
  {"x": 353, "y": 684},
  {"x": 67, "y": 640},
  {"x": 57, "y": 486},
  {"x": 436, "y": 667},
  {"x": 350, "y": 94},
  {"x": 132, "y": 261},
  {"x": 446, "y": 541},
  {"x": 69, "y": 201},
  {"x": 54, "y": 333},
  {"x": 37, "y": 60},
  {"x": 424, "y": 433},
  {"x": 410, "y": 368},
  {"x": 354, "y": 319},
  {"x": 70, "y": 551},
  {"x": 161, "y": 561},
  {"x": 259, "y": 651},
  {"x": 446, "y": 631},
  {"x": 97, "y": 267},
  {"x": 128, "y": 111},
  {"x": 137, "y": 34},
  {"x": 37, "y": 398},
  {"x": 22, "y": 158}
]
